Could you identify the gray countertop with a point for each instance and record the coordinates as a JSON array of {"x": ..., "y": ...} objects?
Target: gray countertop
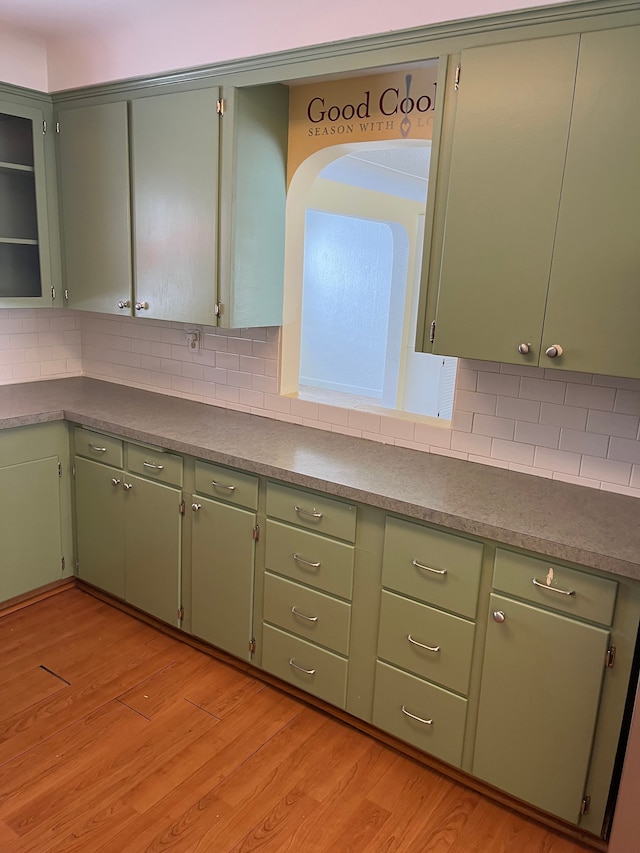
[{"x": 574, "y": 523}]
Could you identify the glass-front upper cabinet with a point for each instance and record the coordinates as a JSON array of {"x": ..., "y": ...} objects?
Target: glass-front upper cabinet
[{"x": 25, "y": 261}]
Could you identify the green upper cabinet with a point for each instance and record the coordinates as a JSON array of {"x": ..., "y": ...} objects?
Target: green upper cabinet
[
  {"x": 594, "y": 297},
  {"x": 540, "y": 251},
  {"x": 93, "y": 162},
  {"x": 26, "y": 269},
  {"x": 173, "y": 205}
]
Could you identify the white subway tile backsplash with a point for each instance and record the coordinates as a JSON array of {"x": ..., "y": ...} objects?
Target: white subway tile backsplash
[
  {"x": 575, "y": 427},
  {"x": 518, "y": 410},
  {"x": 606, "y": 470},
  {"x": 501, "y": 384},
  {"x": 624, "y": 450},
  {"x": 542, "y": 390},
  {"x": 621, "y": 490},
  {"x": 493, "y": 426},
  {"x": 572, "y": 417},
  {"x": 589, "y": 443},
  {"x": 561, "y": 461},
  {"x": 472, "y": 401},
  {"x": 590, "y": 397},
  {"x": 541, "y": 435},
  {"x": 610, "y": 423},
  {"x": 627, "y": 402}
]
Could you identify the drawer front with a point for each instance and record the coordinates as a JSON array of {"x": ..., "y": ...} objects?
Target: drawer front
[
  {"x": 436, "y": 567},
  {"x": 95, "y": 445},
  {"x": 567, "y": 590},
  {"x": 308, "y": 613},
  {"x": 227, "y": 484},
  {"x": 407, "y": 627},
  {"x": 315, "y": 512},
  {"x": 154, "y": 464},
  {"x": 399, "y": 695},
  {"x": 310, "y": 559},
  {"x": 315, "y": 670}
]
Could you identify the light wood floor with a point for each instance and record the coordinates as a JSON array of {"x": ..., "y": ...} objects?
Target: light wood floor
[{"x": 115, "y": 738}]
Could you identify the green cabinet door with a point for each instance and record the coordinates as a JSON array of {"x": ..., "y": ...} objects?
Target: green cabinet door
[
  {"x": 594, "y": 293},
  {"x": 253, "y": 188},
  {"x": 222, "y": 571},
  {"x": 100, "y": 525},
  {"x": 509, "y": 143},
  {"x": 93, "y": 163},
  {"x": 541, "y": 684},
  {"x": 25, "y": 257},
  {"x": 152, "y": 547},
  {"x": 30, "y": 533},
  {"x": 174, "y": 139}
]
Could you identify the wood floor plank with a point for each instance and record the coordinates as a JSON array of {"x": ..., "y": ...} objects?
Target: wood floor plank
[{"x": 154, "y": 746}]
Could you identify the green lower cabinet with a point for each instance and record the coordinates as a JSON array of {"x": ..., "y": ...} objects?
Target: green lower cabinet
[
  {"x": 541, "y": 685},
  {"x": 153, "y": 542},
  {"x": 100, "y": 525},
  {"x": 222, "y": 573},
  {"x": 30, "y": 530},
  {"x": 420, "y": 713}
]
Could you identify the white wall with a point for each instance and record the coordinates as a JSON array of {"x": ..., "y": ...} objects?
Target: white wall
[
  {"x": 23, "y": 60},
  {"x": 165, "y": 36}
]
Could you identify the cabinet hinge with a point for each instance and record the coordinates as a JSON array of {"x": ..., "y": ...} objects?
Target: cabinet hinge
[
  {"x": 217, "y": 310},
  {"x": 456, "y": 79},
  {"x": 77, "y": 565},
  {"x": 59, "y": 469},
  {"x": 73, "y": 471},
  {"x": 63, "y": 563},
  {"x": 252, "y": 645},
  {"x": 181, "y": 613},
  {"x": 585, "y": 805},
  {"x": 44, "y": 127},
  {"x": 182, "y": 508},
  {"x": 53, "y": 293},
  {"x": 610, "y": 658},
  {"x": 432, "y": 332},
  {"x": 57, "y": 127},
  {"x": 66, "y": 295},
  {"x": 256, "y": 533},
  {"x": 220, "y": 106}
]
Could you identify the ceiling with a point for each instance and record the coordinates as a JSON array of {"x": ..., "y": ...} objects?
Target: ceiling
[{"x": 51, "y": 18}]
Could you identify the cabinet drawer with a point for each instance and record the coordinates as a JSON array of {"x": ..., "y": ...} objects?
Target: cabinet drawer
[
  {"x": 570, "y": 591},
  {"x": 315, "y": 670},
  {"x": 439, "y": 729},
  {"x": 307, "y": 613},
  {"x": 315, "y": 512},
  {"x": 227, "y": 484},
  {"x": 154, "y": 464},
  {"x": 431, "y": 565},
  {"x": 406, "y": 627},
  {"x": 95, "y": 445},
  {"x": 310, "y": 559}
]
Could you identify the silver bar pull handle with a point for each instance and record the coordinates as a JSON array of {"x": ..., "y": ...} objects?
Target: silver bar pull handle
[
  {"x": 151, "y": 465},
  {"x": 97, "y": 449},
  {"x": 293, "y": 664},
  {"x": 418, "y": 719},
  {"x": 428, "y": 568},
  {"x": 422, "y": 645},
  {"x": 553, "y": 588},
  {"x": 217, "y": 485},
  {"x": 303, "y": 616},
  {"x": 313, "y": 513},
  {"x": 304, "y": 562}
]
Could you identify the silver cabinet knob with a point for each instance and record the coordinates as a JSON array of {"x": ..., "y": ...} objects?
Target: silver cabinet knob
[
  {"x": 553, "y": 351},
  {"x": 141, "y": 306},
  {"x": 124, "y": 304},
  {"x": 127, "y": 486},
  {"x": 524, "y": 349},
  {"x": 196, "y": 507},
  {"x": 115, "y": 482},
  {"x": 498, "y": 616}
]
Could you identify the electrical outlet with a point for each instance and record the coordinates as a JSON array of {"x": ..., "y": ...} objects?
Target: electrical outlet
[{"x": 193, "y": 339}]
